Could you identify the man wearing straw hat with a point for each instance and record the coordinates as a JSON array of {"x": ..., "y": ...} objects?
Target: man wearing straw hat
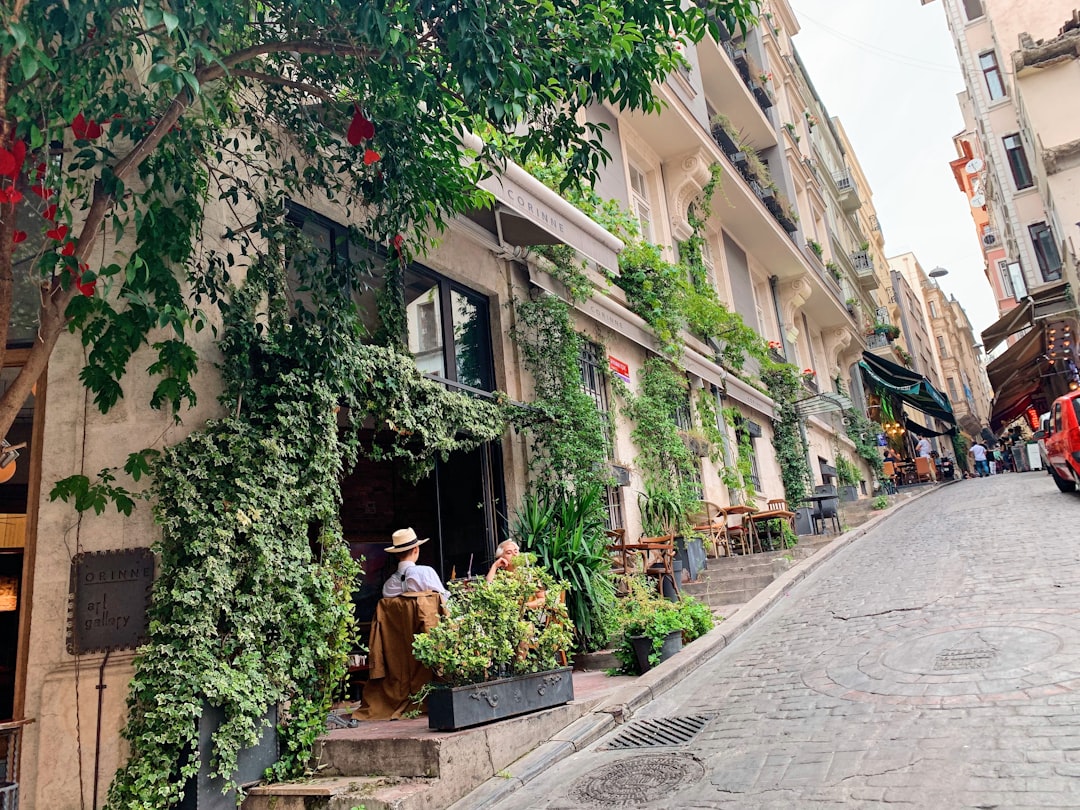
[{"x": 410, "y": 577}]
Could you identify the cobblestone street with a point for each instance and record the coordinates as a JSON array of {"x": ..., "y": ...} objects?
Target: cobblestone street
[{"x": 934, "y": 663}]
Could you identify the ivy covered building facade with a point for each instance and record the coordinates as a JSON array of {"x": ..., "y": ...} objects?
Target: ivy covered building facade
[{"x": 688, "y": 329}]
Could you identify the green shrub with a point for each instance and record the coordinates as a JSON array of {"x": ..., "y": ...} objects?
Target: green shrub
[
  {"x": 643, "y": 612},
  {"x": 566, "y": 533},
  {"x": 880, "y": 502}
]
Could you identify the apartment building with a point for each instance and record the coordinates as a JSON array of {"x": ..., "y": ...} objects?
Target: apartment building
[
  {"x": 1017, "y": 150},
  {"x": 792, "y": 245}
]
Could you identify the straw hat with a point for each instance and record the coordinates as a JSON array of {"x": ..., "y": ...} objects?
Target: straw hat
[{"x": 404, "y": 540}]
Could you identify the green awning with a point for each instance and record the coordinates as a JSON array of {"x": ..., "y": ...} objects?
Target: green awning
[{"x": 910, "y": 386}]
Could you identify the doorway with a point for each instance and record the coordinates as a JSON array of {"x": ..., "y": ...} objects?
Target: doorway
[{"x": 458, "y": 508}]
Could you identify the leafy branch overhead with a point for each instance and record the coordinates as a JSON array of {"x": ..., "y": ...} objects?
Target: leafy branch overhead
[{"x": 128, "y": 121}]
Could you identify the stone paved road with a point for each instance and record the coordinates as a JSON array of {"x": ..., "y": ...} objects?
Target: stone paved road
[{"x": 935, "y": 663}]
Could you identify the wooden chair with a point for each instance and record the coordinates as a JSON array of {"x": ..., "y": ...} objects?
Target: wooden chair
[
  {"x": 658, "y": 554},
  {"x": 777, "y": 504},
  {"x": 620, "y": 555},
  {"x": 924, "y": 469},
  {"x": 711, "y": 523},
  {"x": 891, "y": 476},
  {"x": 739, "y": 534}
]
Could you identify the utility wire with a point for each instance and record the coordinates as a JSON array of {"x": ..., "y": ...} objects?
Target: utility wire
[{"x": 905, "y": 59}]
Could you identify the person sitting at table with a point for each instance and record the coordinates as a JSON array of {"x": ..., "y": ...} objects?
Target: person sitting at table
[
  {"x": 890, "y": 455},
  {"x": 410, "y": 577},
  {"x": 413, "y": 602},
  {"x": 504, "y": 558},
  {"x": 505, "y": 553}
]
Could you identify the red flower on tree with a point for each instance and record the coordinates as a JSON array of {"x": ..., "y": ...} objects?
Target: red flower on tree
[
  {"x": 85, "y": 129},
  {"x": 360, "y": 129},
  {"x": 371, "y": 156}
]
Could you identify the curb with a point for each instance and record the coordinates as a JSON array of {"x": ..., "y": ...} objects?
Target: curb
[{"x": 621, "y": 705}]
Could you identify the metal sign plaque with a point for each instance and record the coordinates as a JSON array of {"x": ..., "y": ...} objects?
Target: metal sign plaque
[{"x": 107, "y": 600}]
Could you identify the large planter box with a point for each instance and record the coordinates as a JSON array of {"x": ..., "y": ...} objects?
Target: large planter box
[
  {"x": 643, "y": 648},
  {"x": 692, "y": 555},
  {"x": 726, "y": 143},
  {"x": 464, "y": 706},
  {"x": 204, "y": 792},
  {"x": 849, "y": 493}
]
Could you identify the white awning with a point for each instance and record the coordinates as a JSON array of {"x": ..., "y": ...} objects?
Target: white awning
[{"x": 529, "y": 213}]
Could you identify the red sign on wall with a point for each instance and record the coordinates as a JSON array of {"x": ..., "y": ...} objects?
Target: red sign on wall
[{"x": 619, "y": 368}]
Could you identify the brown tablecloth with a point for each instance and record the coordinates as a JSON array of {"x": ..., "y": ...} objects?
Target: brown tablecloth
[{"x": 395, "y": 673}]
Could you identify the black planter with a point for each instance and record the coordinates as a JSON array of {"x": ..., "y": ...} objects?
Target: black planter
[
  {"x": 691, "y": 553},
  {"x": 643, "y": 647},
  {"x": 761, "y": 95},
  {"x": 464, "y": 706},
  {"x": 724, "y": 141},
  {"x": 849, "y": 493},
  {"x": 204, "y": 792}
]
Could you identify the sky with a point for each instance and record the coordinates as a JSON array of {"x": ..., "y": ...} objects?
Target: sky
[{"x": 889, "y": 70}]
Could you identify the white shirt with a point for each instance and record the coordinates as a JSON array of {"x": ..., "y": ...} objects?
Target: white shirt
[
  {"x": 978, "y": 452},
  {"x": 411, "y": 578},
  {"x": 923, "y": 446}
]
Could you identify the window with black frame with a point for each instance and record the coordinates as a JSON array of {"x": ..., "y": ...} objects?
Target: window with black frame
[
  {"x": 591, "y": 364},
  {"x": 448, "y": 329},
  {"x": 1046, "y": 251}
]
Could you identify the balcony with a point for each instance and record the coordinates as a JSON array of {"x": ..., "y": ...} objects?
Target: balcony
[
  {"x": 848, "y": 193},
  {"x": 863, "y": 265},
  {"x": 725, "y": 77}
]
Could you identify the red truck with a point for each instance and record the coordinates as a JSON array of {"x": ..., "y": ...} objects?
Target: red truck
[{"x": 1062, "y": 441}]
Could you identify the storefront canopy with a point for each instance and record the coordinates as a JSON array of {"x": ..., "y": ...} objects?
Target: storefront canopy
[
  {"x": 1016, "y": 377},
  {"x": 910, "y": 386},
  {"x": 1050, "y": 299}
]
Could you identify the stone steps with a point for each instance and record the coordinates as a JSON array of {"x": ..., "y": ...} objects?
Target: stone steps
[{"x": 404, "y": 766}]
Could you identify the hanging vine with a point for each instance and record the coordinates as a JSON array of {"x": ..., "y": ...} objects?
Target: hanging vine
[
  {"x": 253, "y": 604},
  {"x": 569, "y": 439},
  {"x": 784, "y": 383},
  {"x": 669, "y": 470}
]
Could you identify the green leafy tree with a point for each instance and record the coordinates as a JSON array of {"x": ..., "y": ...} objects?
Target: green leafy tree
[{"x": 128, "y": 119}]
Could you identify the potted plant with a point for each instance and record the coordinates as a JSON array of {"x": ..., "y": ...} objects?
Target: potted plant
[
  {"x": 664, "y": 513},
  {"x": 725, "y": 134},
  {"x": 650, "y": 629},
  {"x": 834, "y": 269},
  {"x": 500, "y": 651},
  {"x": 847, "y": 472},
  {"x": 852, "y": 305},
  {"x": 815, "y": 246},
  {"x": 890, "y": 331}
]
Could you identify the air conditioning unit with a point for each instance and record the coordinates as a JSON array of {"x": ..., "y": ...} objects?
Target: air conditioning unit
[{"x": 989, "y": 239}]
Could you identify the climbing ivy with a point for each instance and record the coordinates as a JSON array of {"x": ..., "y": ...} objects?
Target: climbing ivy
[
  {"x": 864, "y": 433},
  {"x": 670, "y": 471},
  {"x": 569, "y": 440},
  {"x": 784, "y": 383},
  {"x": 253, "y": 605}
]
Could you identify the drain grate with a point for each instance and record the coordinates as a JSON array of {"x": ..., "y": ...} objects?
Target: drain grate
[{"x": 660, "y": 732}]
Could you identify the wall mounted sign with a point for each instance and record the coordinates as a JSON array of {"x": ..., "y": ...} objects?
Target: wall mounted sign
[
  {"x": 619, "y": 368},
  {"x": 107, "y": 600}
]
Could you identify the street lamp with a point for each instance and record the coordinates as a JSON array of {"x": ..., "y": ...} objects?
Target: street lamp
[{"x": 938, "y": 272}]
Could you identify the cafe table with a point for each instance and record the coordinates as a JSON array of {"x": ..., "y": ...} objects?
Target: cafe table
[
  {"x": 740, "y": 511},
  {"x": 817, "y": 500},
  {"x": 763, "y": 517}
]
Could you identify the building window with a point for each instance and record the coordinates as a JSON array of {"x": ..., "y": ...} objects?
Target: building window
[
  {"x": 973, "y": 9},
  {"x": 933, "y": 308},
  {"x": 1046, "y": 251},
  {"x": 708, "y": 262},
  {"x": 448, "y": 332},
  {"x": 943, "y": 350},
  {"x": 1006, "y": 279},
  {"x": 613, "y": 502},
  {"x": 593, "y": 382},
  {"x": 992, "y": 73},
  {"x": 639, "y": 202},
  {"x": 1018, "y": 161},
  {"x": 952, "y": 388}
]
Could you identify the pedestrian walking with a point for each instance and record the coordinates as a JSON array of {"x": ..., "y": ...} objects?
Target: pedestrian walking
[{"x": 978, "y": 453}]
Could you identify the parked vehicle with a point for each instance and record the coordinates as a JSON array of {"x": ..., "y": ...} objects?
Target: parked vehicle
[{"x": 1062, "y": 442}]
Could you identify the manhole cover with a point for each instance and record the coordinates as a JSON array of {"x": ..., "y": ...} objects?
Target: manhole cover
[
  {"x": 973, "y": 653},
  {"x": 637, "y": 780},
  {"x": 663, "y": 731}
]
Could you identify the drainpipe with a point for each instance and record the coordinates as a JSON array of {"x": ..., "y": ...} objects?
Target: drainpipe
[
  {"x": 776, "y": 308},
  {"x": 97, "y": 738}
]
